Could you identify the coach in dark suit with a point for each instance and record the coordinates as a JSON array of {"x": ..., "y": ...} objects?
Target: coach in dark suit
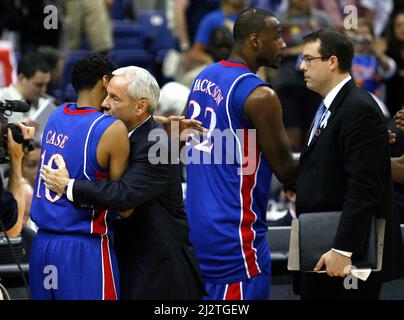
[
  {"x": 345, "y": 166},
  {"x": 156, "y": 259}
]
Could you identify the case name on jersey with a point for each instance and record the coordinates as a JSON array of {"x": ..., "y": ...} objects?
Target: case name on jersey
[{"x": 58, "y": 140}]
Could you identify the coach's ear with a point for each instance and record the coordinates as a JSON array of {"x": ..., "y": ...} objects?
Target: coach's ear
[{"x": 142, "y": 106}]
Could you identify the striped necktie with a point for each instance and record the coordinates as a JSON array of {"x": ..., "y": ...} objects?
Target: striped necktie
[{"x": 317, "y": 120}]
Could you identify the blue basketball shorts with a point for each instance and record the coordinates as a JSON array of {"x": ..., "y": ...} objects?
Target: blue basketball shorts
[
  {"x": 255, "y": 288},
  {"x": 73, "y": 267}
]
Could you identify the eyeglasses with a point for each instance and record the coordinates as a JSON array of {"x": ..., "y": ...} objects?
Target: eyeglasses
[{"x": 309, "y": 59}]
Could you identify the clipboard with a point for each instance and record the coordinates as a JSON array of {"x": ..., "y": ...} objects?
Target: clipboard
[
  {"x": 294, "y": 255},
  {"x": 43, "y": 113}
]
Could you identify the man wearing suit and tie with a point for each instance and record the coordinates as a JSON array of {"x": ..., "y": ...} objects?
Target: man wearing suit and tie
[
  {"x": 345, "y": 166},
  {"x": 155, "y": 256}
]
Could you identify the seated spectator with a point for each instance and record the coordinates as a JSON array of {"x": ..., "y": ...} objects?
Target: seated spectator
[
  {"x": 225, "y": 16},
  {"x": 184, "y": 16},
  {"x": 370, "y": 66},
  {"x": 219, "y": 47},
  {"x": 395, "y": 49}
]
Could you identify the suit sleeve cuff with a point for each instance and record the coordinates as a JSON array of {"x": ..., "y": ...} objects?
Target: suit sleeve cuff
[
  {"x": 69, "y": 191},
  {"x": 344, "y": 253}
]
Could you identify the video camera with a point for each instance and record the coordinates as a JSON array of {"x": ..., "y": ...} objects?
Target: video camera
[{"x": 7, "y": 107}]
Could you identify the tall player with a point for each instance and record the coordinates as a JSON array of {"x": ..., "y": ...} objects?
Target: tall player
[
  {"x": 71, "y": 256},
  {"x": 226, "y": 203}
]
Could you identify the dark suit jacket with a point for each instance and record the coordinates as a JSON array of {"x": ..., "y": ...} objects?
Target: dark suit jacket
[
  {"x": 156, "y": 258},
  {"x": 347, "y": 168}
]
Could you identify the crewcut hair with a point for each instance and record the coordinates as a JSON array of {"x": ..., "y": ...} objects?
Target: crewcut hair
[{"x": 249, "y": 21}]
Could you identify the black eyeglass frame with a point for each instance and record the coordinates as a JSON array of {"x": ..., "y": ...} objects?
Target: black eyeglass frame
[{"x": 308, "y": 59}]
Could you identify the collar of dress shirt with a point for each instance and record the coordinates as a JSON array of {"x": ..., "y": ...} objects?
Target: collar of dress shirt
[
  {"x": 130, "y": 132},
  {"x": 16, "y": 95},
  {"x": 329, "y": 98}
]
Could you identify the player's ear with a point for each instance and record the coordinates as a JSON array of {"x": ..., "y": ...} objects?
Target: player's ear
[
  {"x": 253, "y": 39},
  {"x": 105, "y": 81}
]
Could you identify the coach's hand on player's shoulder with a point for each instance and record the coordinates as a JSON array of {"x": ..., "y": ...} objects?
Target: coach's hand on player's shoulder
[
  {"x": 187, "y": 123},
  {"x": 175, "y": 123},
  {"x": 55, "y": 179}
]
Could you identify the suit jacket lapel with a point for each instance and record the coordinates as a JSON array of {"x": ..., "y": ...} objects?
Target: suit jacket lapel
[{"x": 336, "y": 103}]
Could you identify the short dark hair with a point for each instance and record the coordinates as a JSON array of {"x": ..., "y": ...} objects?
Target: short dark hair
[
  {"x": 89, "y": 70},
  {"x": 220, "y": 43},
  {"x": 334, "y": 42},
  {"x": 248, "y": 21},
  {"x": 31, "y": 63}
]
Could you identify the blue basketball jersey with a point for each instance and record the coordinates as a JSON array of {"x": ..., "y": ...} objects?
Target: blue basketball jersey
[
  {"x": 228, "y": 179},
  {"x": 71, "y": 134}
]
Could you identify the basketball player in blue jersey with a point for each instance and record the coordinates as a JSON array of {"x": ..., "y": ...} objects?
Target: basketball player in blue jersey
[
  {"x": 226, "y": 203},
  {"x": 72, "y": 256}
]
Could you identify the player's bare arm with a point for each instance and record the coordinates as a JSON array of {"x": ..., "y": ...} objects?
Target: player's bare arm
[
  {"x": 264, "y": 110},
  {"x": 112, "y": 153},
  {"x": 113, "y": 149}
]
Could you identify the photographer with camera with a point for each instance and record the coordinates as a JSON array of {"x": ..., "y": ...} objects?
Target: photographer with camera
[
  {"x": 34, "y": 75},
  {"x": 12, "y": 202}
]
